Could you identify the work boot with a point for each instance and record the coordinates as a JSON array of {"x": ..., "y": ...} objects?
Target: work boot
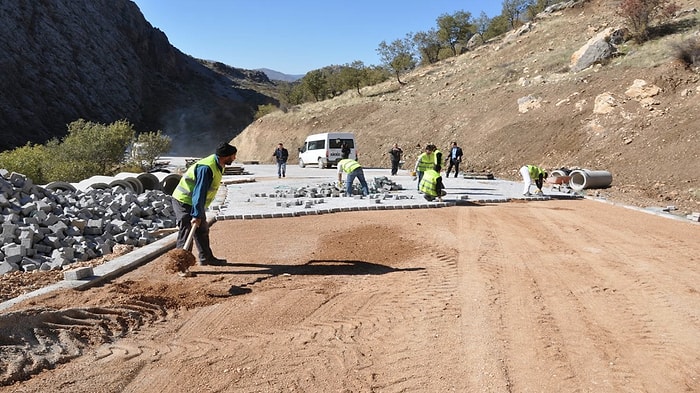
[{"x": 213, "y": 261}]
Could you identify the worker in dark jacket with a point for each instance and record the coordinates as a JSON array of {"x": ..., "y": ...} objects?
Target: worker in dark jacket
[
  {"x": 194, "y": 193},
  {"x": 281, "y": 155},
  {"x": 454, "y": 159}
]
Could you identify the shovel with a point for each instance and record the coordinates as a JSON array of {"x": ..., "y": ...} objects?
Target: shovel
[{"x": 180, "y": 259}]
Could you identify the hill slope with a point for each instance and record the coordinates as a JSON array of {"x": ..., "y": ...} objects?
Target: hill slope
[
  {"x": 652, "y": 149},
  {"x": 102, "y": 61}
]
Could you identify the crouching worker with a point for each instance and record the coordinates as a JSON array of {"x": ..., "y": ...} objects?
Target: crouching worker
[
  {"x": 431, "y": 184},
  {"x": 353, "y": 170},
  {"x": 530, "y": 173}
]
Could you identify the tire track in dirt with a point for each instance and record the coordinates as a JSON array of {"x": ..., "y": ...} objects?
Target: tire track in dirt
[
  {"x": 657, "y": 323},
  {"x": 338, "y": 337},
  {"x": 523, "y": 319},
  {"x": 36, "y": 339}
]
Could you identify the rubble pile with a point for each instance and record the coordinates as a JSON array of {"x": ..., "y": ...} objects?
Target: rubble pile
[{"x": 48, "y": 230}]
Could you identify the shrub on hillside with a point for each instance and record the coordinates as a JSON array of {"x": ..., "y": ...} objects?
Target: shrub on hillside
[
  {"x": 688, "y": 52},
  {"x": 639, "y": 15},
  {"x": 265, "y": 110}
]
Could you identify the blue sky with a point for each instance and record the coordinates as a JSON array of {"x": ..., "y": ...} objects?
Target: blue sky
[{"x": 296, "y": 36}]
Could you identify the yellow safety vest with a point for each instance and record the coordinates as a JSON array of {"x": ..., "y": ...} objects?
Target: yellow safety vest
[
  {"x": 183, "y": 191},
  {"x": 348, "y": 165},
  {"x": 426, "y": 161},
  {"x": 535, "y": 171},
  {"x": 437, "y": 153},
  {"x": 428, "y": 183}
]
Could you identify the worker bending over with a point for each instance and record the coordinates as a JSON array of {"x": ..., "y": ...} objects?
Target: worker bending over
[
  {"x": 530, "y": 173},
  {"x": 353, "y": 170},
  {"x": 431, "y": 184}
]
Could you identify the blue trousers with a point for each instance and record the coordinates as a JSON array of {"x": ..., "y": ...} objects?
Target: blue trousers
[{"x": 360, "y": 175}]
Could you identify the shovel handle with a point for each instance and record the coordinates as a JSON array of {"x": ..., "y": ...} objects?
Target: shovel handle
[{"x": 190, "y": 236}]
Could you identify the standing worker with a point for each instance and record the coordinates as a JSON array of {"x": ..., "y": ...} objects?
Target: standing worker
[
  {"x": 431, "y": 185},
  {"x": 425, "y": 161},
  {"x": 530, "y": 173},
  {"x": 455, "y": 159},
  {"x": 281, "y": 155},
  {"x": 395, "y": 156},
  {"x": 194, "y": 193},
  {"x": 438, "y": 155},
  {"x": 353, "y": 170}
]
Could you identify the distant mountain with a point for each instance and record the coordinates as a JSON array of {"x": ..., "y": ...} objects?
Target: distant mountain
[{"x": 278, "y": 76}]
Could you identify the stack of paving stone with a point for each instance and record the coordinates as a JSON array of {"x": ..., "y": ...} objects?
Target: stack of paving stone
[{"x": 48, "y": 230}]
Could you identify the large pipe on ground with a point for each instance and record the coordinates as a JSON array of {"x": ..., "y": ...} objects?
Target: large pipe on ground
[
  {"x": 148, "y": 180},
  {"x": 60, "y": 185},
  {"x": 103, "y": 182},
  {"x": 168, "y": 181},
  {"x": 135, "y": 183},
  {"x": 585, "y": 178}
]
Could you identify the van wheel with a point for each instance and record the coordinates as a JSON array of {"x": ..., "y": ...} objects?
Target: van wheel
[
  {"x": 320, "y": 163},
  {"x": 301, "y": 163}
]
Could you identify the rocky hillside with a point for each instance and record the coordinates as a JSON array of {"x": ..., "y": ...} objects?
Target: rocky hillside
[
  {"x": 102, "y": 61},
  {"x": 514, "y": 101}
]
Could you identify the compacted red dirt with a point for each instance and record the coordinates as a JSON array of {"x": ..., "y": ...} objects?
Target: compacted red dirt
[{"x": 555, "y": 296}]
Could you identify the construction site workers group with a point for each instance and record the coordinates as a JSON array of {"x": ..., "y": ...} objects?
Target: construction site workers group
[{"x": 427, "y": 172}]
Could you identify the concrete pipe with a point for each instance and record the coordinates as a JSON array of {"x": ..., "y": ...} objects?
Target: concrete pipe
[
  {"x": 147, "y": 180},
  {"x": 132, "y": 180},
  {"x": 60, "y": 186},
  {"x": 103, "y": 182},
  {"x": 168, "y": 181},
  {"x": 585, "y": 178}
]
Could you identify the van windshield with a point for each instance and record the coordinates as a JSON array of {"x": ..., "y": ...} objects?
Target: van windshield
[{"x": 338, "y": 143}]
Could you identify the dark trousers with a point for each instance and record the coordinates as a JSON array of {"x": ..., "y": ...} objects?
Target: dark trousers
[
  {"x": 184, "y": 222},
  {"x": 455, "y": 164},
  {"x": 394, "y": 166}
]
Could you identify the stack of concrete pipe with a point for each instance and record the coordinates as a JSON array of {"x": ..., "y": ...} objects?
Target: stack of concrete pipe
[
  {"x": 49, "y": 227},
  {"x": 580, "y": 179}
]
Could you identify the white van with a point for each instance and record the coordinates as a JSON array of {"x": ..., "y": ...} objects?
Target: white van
[{"x": 325, "y": 150}]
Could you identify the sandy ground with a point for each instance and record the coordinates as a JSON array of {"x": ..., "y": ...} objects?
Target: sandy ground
[{"x": 556, "y": 296}]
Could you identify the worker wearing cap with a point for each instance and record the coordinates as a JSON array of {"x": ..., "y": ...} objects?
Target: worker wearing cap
[
  {"x": 530, "y": 173},
  {"x": 353, "y": 170},
  {"x": 431, "y": 184},
  {"x": 194, "y": 193}
]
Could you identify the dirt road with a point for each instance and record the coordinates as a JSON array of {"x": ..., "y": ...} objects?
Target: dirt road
[{"x": 557, "y": 296}]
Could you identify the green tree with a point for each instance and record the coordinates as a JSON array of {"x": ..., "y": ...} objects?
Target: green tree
[
  {"x": 354, "y": 75},
  {"x": 148, "y": 147},
  {"x": 28, "y": 160},
  {"x": 481, "y": 25},
  {"x": 315, "y": 83},
  {"x": 397, "y": 56},
  {"x": 428, "y": 45},
  {"x": 454, "y": 28},
  {"x": 498, "y": 26},
  {"x": 513, "y": 10},
  {"x": 89, "y": 149}
]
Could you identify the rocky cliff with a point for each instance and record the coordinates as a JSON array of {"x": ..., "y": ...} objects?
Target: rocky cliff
[{"x": 100, "y": 60}]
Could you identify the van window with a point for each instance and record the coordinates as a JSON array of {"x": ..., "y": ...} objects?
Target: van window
[
  {"x": 316, "y": 145},
  {"x": 338, "y": 143}
]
